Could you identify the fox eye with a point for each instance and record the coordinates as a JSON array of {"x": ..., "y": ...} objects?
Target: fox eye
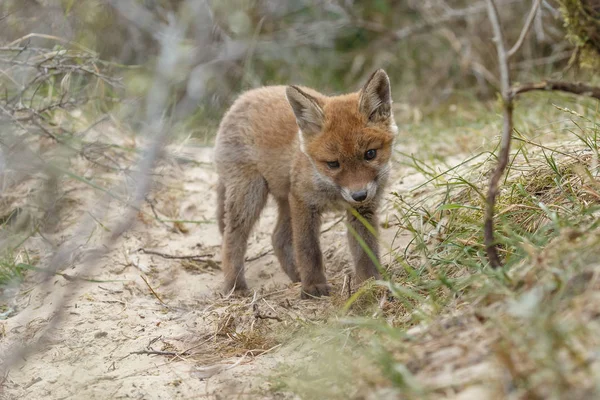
[
  {"x": 333, "y": 164},
  {"x": 370, "y": 154}
]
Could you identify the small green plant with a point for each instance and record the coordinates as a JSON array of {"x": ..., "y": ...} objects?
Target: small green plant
[{"x": 11, "y": 270}]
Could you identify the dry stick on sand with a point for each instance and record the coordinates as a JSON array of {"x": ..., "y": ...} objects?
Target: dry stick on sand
[
  {"x": 508, "y": 95},
  {"x": 160, "y": 353},
  {"x": 199, "y": 257},
  {"x": 153, "y": 292}
]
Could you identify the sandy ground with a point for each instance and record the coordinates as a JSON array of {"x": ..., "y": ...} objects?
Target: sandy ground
[{"x": 151, "y": 327}]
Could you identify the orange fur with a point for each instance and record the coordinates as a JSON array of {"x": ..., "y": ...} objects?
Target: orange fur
[{"x": 279, "y": 140}]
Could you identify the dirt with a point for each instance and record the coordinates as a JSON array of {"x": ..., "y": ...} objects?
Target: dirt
[{"x": 152, "y": 327}]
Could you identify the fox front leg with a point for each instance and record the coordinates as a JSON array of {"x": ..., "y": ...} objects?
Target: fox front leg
[
  {"x": 365, "y": 228},
  {"x": 306, "y": 227}
]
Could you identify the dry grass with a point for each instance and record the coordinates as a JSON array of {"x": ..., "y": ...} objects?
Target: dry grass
[{"x": 452, "y": 325}]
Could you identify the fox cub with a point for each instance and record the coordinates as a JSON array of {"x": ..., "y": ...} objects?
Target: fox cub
[{"x": 312, "y": 153}]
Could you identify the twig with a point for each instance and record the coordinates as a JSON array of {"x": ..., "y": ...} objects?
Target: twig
[
  {"x": 507, "y": 102},
  {"x": 260, "y": 255},
  {"x": 333, "y": 224},
  {"x": 152, "y": 341},
  {"x": 549, "y": 60},
  {"x": 526, "y": 28},
  {"x": 153, "y": 292},
  {"x": 499, "y": 41},
  {"x": 201, "y": 257},
  {"x": 160, "y": 353},
  {"x": 575, "y": 88},
  {"x": 33, "y": 382},
  {"x": 56, "y": 38},
  {"x": 94, "y": 124},
  {"x": 153, "y": 208}
]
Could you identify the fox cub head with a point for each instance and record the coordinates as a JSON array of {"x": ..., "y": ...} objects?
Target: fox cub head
[{"x": 348, "y": 138}]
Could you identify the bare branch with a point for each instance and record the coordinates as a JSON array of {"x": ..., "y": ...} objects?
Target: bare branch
[
  {"x": 526, "y": 28},
  {"x": 507, "y": 100},
  {"x": 199, "y": 257},
  {"x": 499, "y": 41},
  {"x": 157, "y": 101},
  {"x": 575, "y": 88}
]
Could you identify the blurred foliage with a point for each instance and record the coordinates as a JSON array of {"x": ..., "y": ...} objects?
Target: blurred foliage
[
  {"x": 430, "y": 48},
  {"x": 582, "y": 22}
]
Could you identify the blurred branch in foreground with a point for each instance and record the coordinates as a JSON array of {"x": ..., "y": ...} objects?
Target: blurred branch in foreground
[{"x": 41, "y": 92}]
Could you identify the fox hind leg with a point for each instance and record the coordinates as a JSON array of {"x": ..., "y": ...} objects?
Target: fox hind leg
[
  {"x": 244, "y": 200},
  {"x": 221, "y": 207},
  {"x": 282, "y": 240}
]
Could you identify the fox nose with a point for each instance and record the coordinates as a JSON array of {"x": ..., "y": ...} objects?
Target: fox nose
[{"x": 360, "y": 195}]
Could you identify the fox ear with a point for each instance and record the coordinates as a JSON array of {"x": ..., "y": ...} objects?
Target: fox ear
[
  {"x": 376, "y": 97},
  {"x": 309, "y": 114}
]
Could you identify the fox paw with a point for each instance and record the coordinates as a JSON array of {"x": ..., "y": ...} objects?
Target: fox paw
[
  {"x": 317, "y": 290},
  {"x": 238, "y": 286}
]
